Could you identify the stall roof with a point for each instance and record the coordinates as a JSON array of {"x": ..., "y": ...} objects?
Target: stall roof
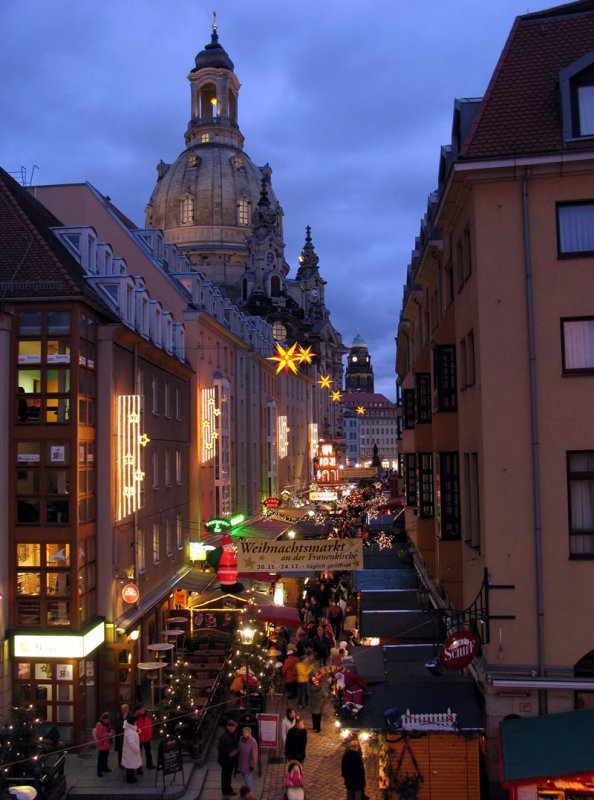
[
  {"x": 422, "y": 696},
  {"x": 551, "y": 746},
  {"x": 280, "y": 615}
]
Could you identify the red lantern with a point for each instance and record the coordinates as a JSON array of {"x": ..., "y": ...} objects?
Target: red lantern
[{"x": 227, "y": 569}]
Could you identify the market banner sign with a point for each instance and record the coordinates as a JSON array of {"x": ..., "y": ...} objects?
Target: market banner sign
[{"x": 294, "y": 556}]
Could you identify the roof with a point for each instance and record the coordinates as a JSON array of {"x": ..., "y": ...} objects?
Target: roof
[
  {"x": 366, "y": 397},
  {"x": 213, "y": 55},
  {"x": 359, "y": 341},
  {"x": 421, "y": 696},
  {"x": 520, "y": 111},
  {"x": 33, "y": 263},
  {"x": 546, "y": 747}
]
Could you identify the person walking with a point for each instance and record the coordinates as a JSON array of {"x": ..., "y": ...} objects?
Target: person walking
[
  {"x": 286, "y": 725},
  {"x": 131, "y": 758},
  {"x": 103, "y": 734},
  {"x": 289, "y": 673},
  {"x": 353, "y": 771},
  {"x": 119, "y": 730},
  {"x": 316, "y": 703},
  {"x": 247, "y": 757},
  {"x": 228, "y": 748},
  {"x": 304, "y": 669},
  {"x": 144, "y": 724},
  {"x": 294, "y": 783},
  {"x": 296, "y": 743}
]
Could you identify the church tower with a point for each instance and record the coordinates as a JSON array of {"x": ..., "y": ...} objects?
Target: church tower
[{"x": 359, "y": 372}]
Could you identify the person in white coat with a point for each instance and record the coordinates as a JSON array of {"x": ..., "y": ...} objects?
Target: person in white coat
[{"x": 131, "y": 758}]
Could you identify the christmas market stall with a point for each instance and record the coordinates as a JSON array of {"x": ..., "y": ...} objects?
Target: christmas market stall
[{"x": 548, "y": 757}]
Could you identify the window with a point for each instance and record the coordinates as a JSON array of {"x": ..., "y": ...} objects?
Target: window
[
  {"x": 279, "y": 332},
  {"x": 409, "y": 408},
  {"x": 580, "y": 480},
  {"x": 423, "y": 380},
  {"x": 445, "y": 377},
  {"x": 154, "y": 396},
  {"x": 243, "y": 211},
  {"x": 577, "y": 337},
  {"x": 425, "y": 484},
  {"x": 449, "y": 496},
  {"x": 575, "y": 229},
  {"x": 140, "y": 550},
  {"x": 576, "y": 83},
  {"x": 410, "y": 478},
  {"x": 178, "y": 532},
  {"x": 177, "y": 404},
  {"x": 166, "y": 400},
  {"x": 155, "y": 469},
  {"x": 178, "y": 467},
  {"x": 472, "y": 532},
  {"x": 168, "y": 544},
  {"x": 156, "y": 542},
  {"x": 187, "y": 210},
  {"x": 167, "y": 468}
]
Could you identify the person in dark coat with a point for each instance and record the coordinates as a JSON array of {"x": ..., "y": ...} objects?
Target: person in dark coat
[
  {"x": 316, "y": 703},
  {"x": 228, "y": 748},
  {"x": 296, "y": 742},
  {"x": 353, "y": 771}
]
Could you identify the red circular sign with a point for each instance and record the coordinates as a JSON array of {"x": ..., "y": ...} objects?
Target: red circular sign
[
  {"x": 458, "y": 650},
  {"x": 272, "y": 502},
  {"x": 130, "y": 593}
]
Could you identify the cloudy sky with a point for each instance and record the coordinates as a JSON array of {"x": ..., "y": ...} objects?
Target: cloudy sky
[{"x": 348, "y": 100}]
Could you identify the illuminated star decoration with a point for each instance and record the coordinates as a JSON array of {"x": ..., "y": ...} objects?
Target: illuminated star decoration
[
  {"x": 384, "y": 540},
  {"x": 325, "y": 381},
  {"x": 143, "y": 440},
  {"x": 305, "y": 355},
  {"x": 287, "y": 359},
  {"x": 336, "y": 397},
  {"x": 360, "y": 409}
]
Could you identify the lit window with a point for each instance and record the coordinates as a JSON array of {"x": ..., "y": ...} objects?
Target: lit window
[
  {"x": 156, "y": 542},
  {"x": 244, "y": 211},
  {"x": 187, "y": 210},
  {"x": 205, "y": 138},
  {"x": 279, "y": 332}
]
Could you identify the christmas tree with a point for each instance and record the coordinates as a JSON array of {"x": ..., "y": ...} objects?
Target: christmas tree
[{"x": 178, "y": 711}]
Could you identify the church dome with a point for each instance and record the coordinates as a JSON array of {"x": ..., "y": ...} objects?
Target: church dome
[
  {"x": 359, "y": 341},
  {"x": 214, "y": 55},
  {"x": 206, "y": 198}
]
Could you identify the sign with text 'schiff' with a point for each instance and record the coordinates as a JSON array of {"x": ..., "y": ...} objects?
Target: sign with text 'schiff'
[{"x": 293, "y": 556}]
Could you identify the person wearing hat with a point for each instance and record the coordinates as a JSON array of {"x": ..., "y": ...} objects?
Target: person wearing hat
[
  {"x": 289, "y": 673},
  {"x": 228, "y": 748}
]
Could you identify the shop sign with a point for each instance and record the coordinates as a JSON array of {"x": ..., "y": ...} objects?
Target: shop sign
[
  {"x": 323, "y": 497},
  {"x": 130, "y": 593},
  {"x": 272, "y": 502},
  {"x": 217, "y": 525},
  {"x": 64, "y": 646},
  {"x": 458, "y": 650}
]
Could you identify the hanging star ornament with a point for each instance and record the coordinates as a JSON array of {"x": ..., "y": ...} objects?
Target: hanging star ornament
[
  {"x": 360, "y": 409},
  {"x": 287, "y": 358},
  {"x": 336, "y": 396},
  {"x": 305, "y": 355},
  {"x": 325, "y": 381}
]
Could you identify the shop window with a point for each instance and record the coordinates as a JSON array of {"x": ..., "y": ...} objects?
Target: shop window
[
  {"x": 29, "y": 583},
  {"x": 28, "y": 452},
  {"x": 57, "y": 555},
  {"x": 29, "y": 351},
  {"x": 58, "y": 612},
  {"x": 27, "y": 481},
  {"x": 28, "y": 511},
  {"x": 29, "y": 555},
  {"x": 58, "y": 351},
  {"x": 57, "y": 410},
  {"x": 57, "y": 512},
  {"x": 58, "y": 381},
  {"x": 57, "y": 481},
  {"x": 58, "y": 583}
]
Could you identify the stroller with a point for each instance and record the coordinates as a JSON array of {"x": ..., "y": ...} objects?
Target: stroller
[{"x": 294, "y": 784}]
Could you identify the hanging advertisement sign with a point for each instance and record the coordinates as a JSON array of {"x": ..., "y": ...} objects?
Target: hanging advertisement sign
[
  {"x": 130, "y": 593},
  {"x": 458, "y": 650},
  {"x": 295, "y": 555},
  {"x": 272, "y": 502}
]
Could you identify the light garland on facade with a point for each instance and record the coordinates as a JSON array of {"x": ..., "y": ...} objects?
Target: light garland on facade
[
  {"x": 209, "y": 424},
  {"x": 283, "y": 437},
  {"x": 129, "y": 475}
]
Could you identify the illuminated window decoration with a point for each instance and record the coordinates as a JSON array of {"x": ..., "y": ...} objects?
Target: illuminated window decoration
[
  {"x": 305, "y": 355},
  {"x": 325, "y": 381},
  {"x": 210, "y": 413},
  {"x": 336, "y": 397},
  {"x": 129, "y": 475},
  {"x": 327, "y": 468},
  {"x": 286, "y": 357},
  {"x": 313, "y": 440},
  {"x": 360, "y": 410},
  {"x": 283, "y": 437}
]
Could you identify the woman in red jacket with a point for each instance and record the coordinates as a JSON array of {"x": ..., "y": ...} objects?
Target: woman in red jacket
[
  {"x": 103, "y": 734},
  {"x": 144, "y": 724}
]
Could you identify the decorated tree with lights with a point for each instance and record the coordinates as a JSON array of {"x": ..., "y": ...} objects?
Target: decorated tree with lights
[
  {"x": 178, "y": 711},
  {"x": 21, "y": 744},
  {"x": 249, "y": 654}
]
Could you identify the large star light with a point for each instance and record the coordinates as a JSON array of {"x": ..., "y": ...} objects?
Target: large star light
[
  {"x": 305, "y": 355},
  {"x": 325, "y": 381},
  {"x": 360, "y": 409},
  {"x": 286, "y": 358},
  {"x": 336, "y": 396}
]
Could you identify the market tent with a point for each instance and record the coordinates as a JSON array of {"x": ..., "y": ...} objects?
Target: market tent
[
  {"x": 280, "y": 615},
  {"x": 551, "y": 746}
]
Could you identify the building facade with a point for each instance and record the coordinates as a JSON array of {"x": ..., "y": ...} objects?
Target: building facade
[{"x": 496, "y": 369}]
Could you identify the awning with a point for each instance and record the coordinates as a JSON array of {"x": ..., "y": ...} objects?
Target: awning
[
  {"x": 278, "y": 614},
  {"x": 555, "y": 745}
]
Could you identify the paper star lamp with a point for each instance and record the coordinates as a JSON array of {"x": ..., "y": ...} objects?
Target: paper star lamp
[
  {"x": 305, "y": 355},
  {"x": 287, "y": 358},
  {"x": 360, "y": 409},
  {"x": 336, "y": 396},
  {"x": 325, "y": 381}
]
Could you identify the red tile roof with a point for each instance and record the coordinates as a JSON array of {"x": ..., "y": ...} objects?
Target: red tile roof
[
  {"x": 33, "y": 263},
  {"x": 520, "y": 113}
]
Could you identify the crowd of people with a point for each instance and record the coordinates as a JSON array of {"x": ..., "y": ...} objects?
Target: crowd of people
[{"x": 130, "y": 736}]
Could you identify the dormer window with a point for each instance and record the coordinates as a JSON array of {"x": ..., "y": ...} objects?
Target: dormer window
[
  {"x": 576, "y": 83},
  {"x": 243, "y": 211}
]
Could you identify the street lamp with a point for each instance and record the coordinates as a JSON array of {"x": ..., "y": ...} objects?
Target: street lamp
[{"x": 247, "y": 637}]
